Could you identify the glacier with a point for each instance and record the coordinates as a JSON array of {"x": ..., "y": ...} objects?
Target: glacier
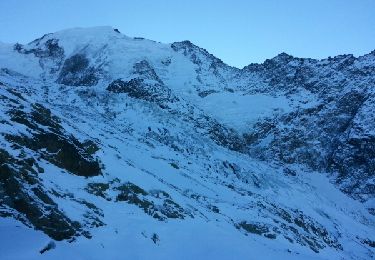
[{"x": 126, "y": 148}]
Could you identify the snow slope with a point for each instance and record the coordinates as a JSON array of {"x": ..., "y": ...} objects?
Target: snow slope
[{"x": 161, "y": 164}]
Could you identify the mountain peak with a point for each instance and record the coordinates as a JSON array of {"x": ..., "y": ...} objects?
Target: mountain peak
[
  {"x": 92, "y": 35},
  {"x": 97, "y": 30},
  {"x": 283, "y": 57}
]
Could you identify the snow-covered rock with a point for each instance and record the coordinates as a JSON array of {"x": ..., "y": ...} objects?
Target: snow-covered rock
[{"x": 117, "y": 147}]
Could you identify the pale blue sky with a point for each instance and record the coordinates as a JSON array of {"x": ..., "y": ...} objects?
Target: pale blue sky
[{"x": 237, "y": 31}]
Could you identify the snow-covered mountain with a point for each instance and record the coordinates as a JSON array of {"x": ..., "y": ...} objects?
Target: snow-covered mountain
[{"x": 114, "y": 147}]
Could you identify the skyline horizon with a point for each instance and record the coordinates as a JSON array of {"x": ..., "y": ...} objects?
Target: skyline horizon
[
  {"x": 239, "y": 33},
  {"x": 202, "y": 47}
]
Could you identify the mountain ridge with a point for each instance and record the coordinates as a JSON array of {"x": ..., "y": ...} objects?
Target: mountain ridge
[{"x": 110, "y": 29}]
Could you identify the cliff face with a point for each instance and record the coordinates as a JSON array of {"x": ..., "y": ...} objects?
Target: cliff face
[{"x": 334, "y": 131}]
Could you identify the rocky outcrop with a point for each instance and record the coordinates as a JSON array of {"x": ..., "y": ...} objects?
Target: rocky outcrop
[
  {"x": 50, "y": 54},
  {"x": 53, "y": 145},
  {"x": 325, "y": 136},
  {"x": 145, "y": 85},
  {"x": 24, "y": 198},
  {"x": 76, "y": 71},
  {"x": 23, "y": 195}
]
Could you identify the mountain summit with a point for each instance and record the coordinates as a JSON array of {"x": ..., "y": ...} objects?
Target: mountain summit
[{"x": 114, "y": 147}]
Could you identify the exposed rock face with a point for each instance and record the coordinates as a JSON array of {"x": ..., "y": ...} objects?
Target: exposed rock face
[
  {"x": 330, "y": 135},
  {"x": 141, "y": 89},
  {"x": 50, "y": 54},
  {"x": 76, "y": 71},
  {"x": 64, "y": 151},
  {"x": 145, "y": 85},
  {"x": 23, "y": 195},
  {"x": 24, "y": 198}
]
